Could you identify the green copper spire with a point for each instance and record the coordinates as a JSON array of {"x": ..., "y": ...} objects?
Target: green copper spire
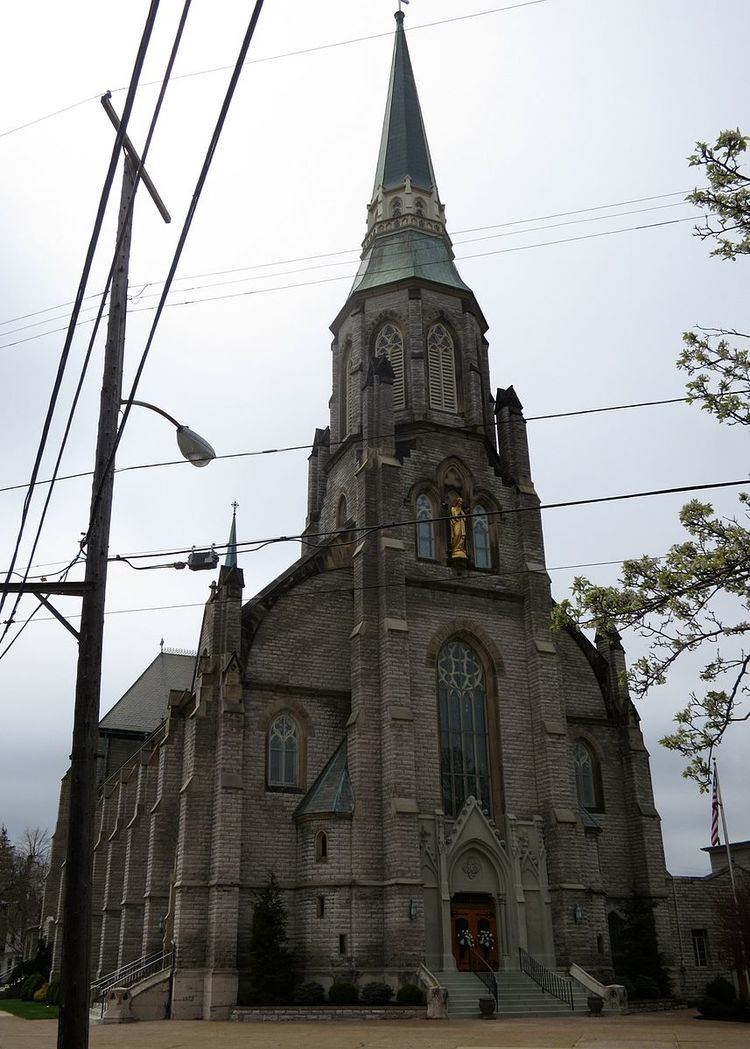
[
  {"x": 231, "y": 559},
  {"x": 403, "y": 147}
]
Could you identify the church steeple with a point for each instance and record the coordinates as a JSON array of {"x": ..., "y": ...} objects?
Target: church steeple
[
  {"x": 230, "y": 561},
  {"x": 406, "y": 234}
]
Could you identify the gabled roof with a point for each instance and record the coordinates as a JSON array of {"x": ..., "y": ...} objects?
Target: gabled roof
[
  {"x": 331, "y": 793},
  {"x": 144, "y": 706},
  {"x": 403, "y": 146}
]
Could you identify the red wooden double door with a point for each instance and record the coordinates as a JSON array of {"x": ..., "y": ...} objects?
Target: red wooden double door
[{"x": 474, "y": 928}]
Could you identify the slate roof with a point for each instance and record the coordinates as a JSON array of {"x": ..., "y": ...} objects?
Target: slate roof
[
  {"x": 331, "y": 793},
  {"x": 408, "y": 253},
  {"x": 144, "y": 705},
  {"x": 403, "y": 147}
]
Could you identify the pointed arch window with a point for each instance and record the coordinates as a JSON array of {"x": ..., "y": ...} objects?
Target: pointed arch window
[
  {"x": 419, "y": 208},
  {"x": 390, "y": 344},
  {"x": 462, "y": 699},
  {"x": 425, "y": 513},
  {"x": 346, "y": 389},
  {"x": 396, "y": 206},
  {"x": 283, "y": 752},
  {"x": 588, "y": 777},
  {"x": 441, "y": 366},
  {"x": 480, "y": 534}
]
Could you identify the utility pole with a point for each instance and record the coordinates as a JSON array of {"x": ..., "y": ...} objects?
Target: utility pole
[{"x": 75, "y": 967}]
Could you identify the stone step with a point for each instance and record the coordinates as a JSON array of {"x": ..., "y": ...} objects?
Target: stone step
[{"x": 518, "y": 995}]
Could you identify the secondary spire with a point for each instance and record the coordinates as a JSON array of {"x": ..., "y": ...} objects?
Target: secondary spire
[{"x": 231, "y": 559}]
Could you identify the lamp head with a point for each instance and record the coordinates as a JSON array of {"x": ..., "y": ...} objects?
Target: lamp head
[{"x": 195, "y": 448}]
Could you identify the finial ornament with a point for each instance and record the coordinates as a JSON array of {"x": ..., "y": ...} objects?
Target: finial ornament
[
  {"x": 400, "y": 2},
  {"x": 234, "y": 508}
]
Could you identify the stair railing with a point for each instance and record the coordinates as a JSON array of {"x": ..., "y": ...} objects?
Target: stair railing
[
  {"x": 549, "y": 981},
  {"x": 486, "y": 974},
  {"x": 129, "y": 974}
]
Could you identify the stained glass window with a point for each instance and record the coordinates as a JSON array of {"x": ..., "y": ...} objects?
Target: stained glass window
[
  {"x": 586, "y": 779},
  {"x": 283, "y": 752},
  {"x": 480, "y": 531},
  {"x": 462, "y": 700},
  {"x": 425, "y": 527},
  {"x": 390, "y": 344}
]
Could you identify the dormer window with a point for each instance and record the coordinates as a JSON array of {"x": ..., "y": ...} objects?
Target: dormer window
[{"x": 396, "y": 206}]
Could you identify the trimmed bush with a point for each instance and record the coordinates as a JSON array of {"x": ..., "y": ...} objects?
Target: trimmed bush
[
  {"x": 721, "y": 990},
  {"x": 30, "y": 986},
  {"x": 376, "y": 993},
  {"x": 410, "y": 994},
  {"x": 41, "y": 994},
  {"x": 309, "y": 994},
  {"x": 53, "y": 992},
  {"x": 342, "y": 992},
  {"x": 646, "y": 987}
]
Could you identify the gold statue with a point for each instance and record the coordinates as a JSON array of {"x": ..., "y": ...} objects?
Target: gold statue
[{"x": 458, "y": 529}]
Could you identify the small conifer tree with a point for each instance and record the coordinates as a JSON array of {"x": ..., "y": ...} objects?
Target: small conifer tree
[{"x": 271, "y": 964}]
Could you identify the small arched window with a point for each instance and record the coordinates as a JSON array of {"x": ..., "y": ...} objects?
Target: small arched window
[
  {"x": 396, "y": 206},
  {"x": 480, "y": 534},
  {"x": 588, "y": 777},
  {"x": 321, "y": 847},
  {"x": 425, "y": 513},
  {"x": 390, "y": 344},
  {"x": 419, "y": 207},
  {"x": 345, "y": 399},
  {"x": 283, "y": 752},
  {"x": 342, "y": 513},
  {"x": 441, "y": 366}
]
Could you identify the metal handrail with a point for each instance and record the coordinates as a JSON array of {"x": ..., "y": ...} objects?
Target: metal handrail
[
  {"x": 129, "y": 974},
  {"x": 549, "y": 981},
  {"x": 486, "y": 974}
]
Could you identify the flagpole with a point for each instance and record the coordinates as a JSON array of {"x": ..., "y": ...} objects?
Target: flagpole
[{"x": 730, "y": 864}]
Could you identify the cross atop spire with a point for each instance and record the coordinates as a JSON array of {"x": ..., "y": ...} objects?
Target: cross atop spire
[{"x": 230, "y": 560}]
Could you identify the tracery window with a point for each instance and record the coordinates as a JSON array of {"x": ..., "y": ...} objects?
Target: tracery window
[
  {"x": 441, "y": 366},
  {"x": 480, "y": 534},
  {"x": 425, "y": 513},
  {"x": 396, "y": 206},
  {"x": 588, "y": 780},
  {"x": 419, "y": 207},
  {"x": 283, "y": 752},
  {"x": 390, "y": 344},
  {"x": 462, "y": 697}
]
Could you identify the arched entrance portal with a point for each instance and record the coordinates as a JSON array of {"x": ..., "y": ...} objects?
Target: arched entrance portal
[{"x": 474, "y": 929}]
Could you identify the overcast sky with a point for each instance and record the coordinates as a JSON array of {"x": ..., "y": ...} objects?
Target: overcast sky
[{"x": 550, "y": 108}]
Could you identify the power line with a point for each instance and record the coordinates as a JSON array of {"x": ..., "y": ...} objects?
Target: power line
[
  {"x": 88, "y": 261},
  {"x": 136, "y": 297},
  {"x": 274, "y": 58},
  {"x": 348, "y": 277},
  {"x": 335, "y": 444}
]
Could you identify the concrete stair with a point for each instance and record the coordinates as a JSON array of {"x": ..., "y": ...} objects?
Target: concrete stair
[{"x": 518, "y": 995}]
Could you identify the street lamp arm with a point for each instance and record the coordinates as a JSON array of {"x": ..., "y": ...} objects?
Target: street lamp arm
[
  {"x": 193, "y": 447},
  {"x": 153, "y": 408}
]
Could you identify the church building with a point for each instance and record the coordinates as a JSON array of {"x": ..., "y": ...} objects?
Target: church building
[{"x": 390, "y": 726}]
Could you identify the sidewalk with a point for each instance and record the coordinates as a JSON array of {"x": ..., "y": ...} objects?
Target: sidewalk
[{"x": 674, "y": 1030}]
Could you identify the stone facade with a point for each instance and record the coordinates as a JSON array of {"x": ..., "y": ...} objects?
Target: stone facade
[{"x": 321, "y": 735}]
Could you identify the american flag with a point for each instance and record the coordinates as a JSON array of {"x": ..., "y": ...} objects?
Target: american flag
[{"x": 715, "y": 810}]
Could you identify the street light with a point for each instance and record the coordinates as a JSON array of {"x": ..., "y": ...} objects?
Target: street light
[{"x": 193, "y": 447}]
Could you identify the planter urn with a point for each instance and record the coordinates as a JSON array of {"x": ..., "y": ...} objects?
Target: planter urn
[
  {"x": 487, "y": 1006},
  {"x": 595, "y": 1004}
]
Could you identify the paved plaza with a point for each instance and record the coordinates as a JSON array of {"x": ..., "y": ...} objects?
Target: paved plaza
[{"x": 674, "y": 1030}]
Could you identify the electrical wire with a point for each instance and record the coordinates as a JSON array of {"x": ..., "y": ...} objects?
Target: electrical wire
[
  {"x": 286, "y": 54},
  {"x": 122, "y": 232},
  {"x": 88, "y": 261},
  {"x": 336, "y": 444},
  {"x": 348, "y": 277},
  {"x": 210, "y": 152}
]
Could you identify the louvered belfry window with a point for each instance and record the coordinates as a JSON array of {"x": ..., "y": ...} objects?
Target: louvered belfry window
[
  {"x": 390, "y": 344},
  {"x": 441, "y": 365}
]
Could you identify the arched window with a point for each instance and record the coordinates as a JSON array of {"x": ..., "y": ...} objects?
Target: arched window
[
  {"x": 425, "y": 513},
  {"x": 419, "y": 208},
  {"x": 464, "y": 766},
  {"x": 342, "y": 513},
  {"x": 390, "y": 344},
  {"x": 441, "y": 365},
  {"x": 588, "y": 777},
  {"x": 345, "y": 393},
  {"x": 396, "y": 206},
  {"x": 321, "y": 847},
  {"x": 283, "y": 752},
  {"x": 480, "y": 534}
]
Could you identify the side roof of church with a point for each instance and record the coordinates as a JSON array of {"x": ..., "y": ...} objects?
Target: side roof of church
[{"x": 144, "y": 706}]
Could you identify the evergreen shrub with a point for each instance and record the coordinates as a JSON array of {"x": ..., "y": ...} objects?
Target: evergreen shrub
[
  {"x": 646, "y": 987},
  {"x": 271, "y": 978},
  {"x": 53, "y": 992},
  {"x": 410, "y": 994},
  {"x": 309, "y": 994},
  {"x": 30, "y": 986},
  {"x": 41, "y": 994},
  {"x": 343, "y": 992},
  {"x": 376, "y": 993},
  {"x": 721, "y": 990}
]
